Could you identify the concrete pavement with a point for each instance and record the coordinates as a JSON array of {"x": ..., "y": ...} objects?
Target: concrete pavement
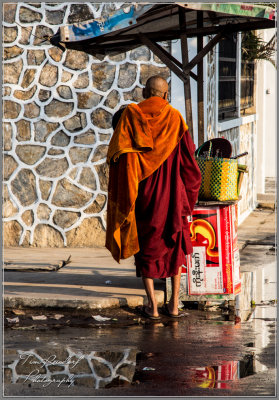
[{"x": 93, "y": 280}]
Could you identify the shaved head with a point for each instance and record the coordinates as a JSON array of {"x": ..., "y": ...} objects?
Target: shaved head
[{"x": 156, "y": 86}]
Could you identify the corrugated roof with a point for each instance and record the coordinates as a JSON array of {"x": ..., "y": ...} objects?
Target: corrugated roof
[{"x": 119, "y": 31}]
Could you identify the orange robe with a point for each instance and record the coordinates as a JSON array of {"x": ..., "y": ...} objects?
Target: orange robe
[{"x": 144, "y": 138}]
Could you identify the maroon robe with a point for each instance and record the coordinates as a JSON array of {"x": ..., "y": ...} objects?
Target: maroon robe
[{"x": 164, "y": 201}]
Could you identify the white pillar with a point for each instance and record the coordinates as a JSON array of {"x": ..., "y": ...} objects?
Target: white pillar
[
  {"x": 270, "y": 99},
  {"x": 261, "y": 126}
]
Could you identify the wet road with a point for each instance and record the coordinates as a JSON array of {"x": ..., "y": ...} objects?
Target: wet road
[{"x": 126, "y": 355}]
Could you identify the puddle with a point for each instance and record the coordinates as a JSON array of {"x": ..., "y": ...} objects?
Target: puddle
[
  {"x": 66, "y": 367},
  {"x": 220, "y": 377},
  {"x": 217, "y": 377},
  {"x": 109, "y": 369},
  {"x": 167, "y": 358}
]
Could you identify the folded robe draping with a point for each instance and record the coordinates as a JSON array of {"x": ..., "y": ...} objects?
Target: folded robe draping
[
  {"x": 145, "y": 136},
  {"x": 165, "y": 200}
]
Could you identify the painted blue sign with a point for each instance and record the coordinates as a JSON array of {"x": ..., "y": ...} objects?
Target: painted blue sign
[{"x": 120, "y": 19}]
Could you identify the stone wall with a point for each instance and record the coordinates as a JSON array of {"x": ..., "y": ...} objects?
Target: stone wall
[{"x": 57, "y": 112}]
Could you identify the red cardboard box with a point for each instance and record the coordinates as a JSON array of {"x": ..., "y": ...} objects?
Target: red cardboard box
[{"x": 213, "y": 267}]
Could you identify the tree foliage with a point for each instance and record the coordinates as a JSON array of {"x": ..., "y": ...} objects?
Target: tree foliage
[{"x": 254, "y": 48}]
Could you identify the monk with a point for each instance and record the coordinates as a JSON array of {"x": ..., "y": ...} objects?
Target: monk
[{"x": 154, "y": 182}]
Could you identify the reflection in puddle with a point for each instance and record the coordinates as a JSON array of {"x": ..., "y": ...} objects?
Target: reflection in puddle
[
  {"x": 59, "y": 367},
  {"x": 110, "y": 369},
  {"x": 157, "y": 355},
  {"x": 219, "y": 377}
]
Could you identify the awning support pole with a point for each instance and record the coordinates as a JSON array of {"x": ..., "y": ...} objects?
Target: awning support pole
[
  {"x": 200, "y": 83},
  {"x": 204, "y": 51},
  {"x": 173, "y": 59},
  {"x": 166, "y": 58},
  {"x": 185, "y": 62},
  {"x": 155, "y": 48}
]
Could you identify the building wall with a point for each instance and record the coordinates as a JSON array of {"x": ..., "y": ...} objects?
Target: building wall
[
  {"x": 270, "y": 99},
  {"x": 243, "y": 138},
  {"x": 267, "y": 122},
  {"x": 241, "y": 132},
  {"x": 57, "y": 117}
]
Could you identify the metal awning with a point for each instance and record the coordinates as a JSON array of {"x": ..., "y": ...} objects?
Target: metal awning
[
  {"x": 138, "y": 24},
  {"x": 119, "y": 31}
]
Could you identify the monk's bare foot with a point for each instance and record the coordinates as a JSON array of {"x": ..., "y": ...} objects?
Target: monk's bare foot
[
  {"x": 150, "y": 311},
  {"x": 171, "y": 309}
]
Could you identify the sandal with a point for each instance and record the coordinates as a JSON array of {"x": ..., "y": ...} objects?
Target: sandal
[
  {"x": 166, "y": 312},
  {"x": 145, "y": 314}
]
